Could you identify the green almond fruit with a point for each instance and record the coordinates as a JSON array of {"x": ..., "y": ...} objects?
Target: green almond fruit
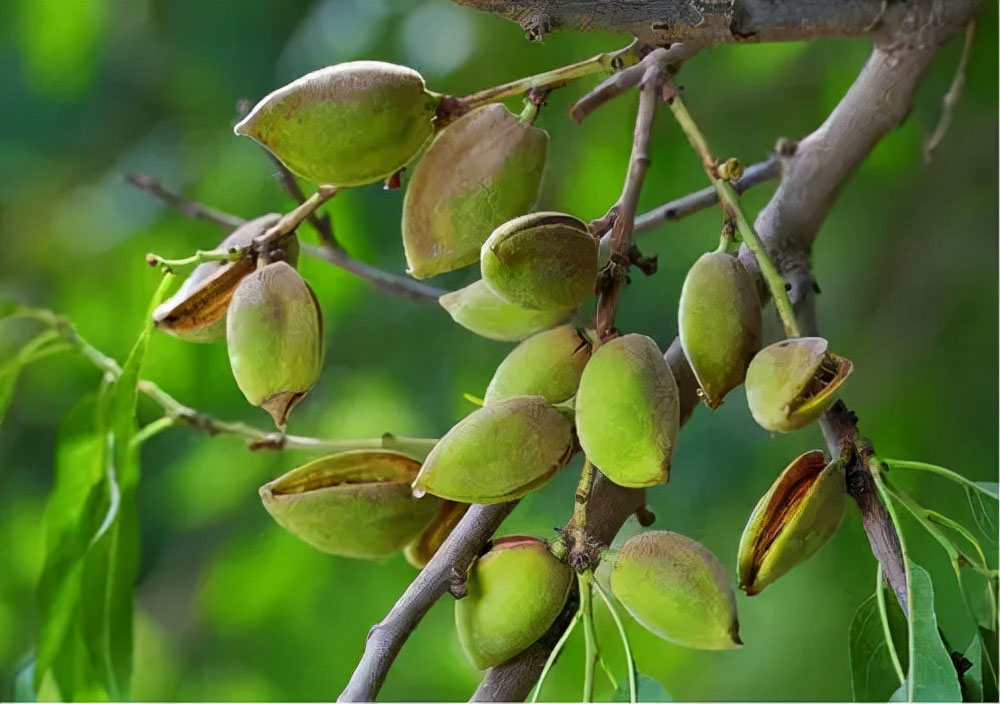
[
  {"x": 197, "y": 312},
  {"x": 541, "y": 261},
  {"x": 419, "y": 552},
  {"x": 346, "y": 125},
  {"x": 514, "y": 594},
  {"x": 478, "y": 309},
  {"x": 499, "y": 452},
  {"x": 720, "y": 323},
  {"x": 791, "y": 383},
  {"x": 796, "y": 517},
  {"x": 274, "y": 334},
  {"x": 676, "y": 588},
  {"x": 482, "y": 170},
  {"x": 628, "y": 411},
  {"x": 548, "y": 364},
  {"x": 354, "y": 504}
]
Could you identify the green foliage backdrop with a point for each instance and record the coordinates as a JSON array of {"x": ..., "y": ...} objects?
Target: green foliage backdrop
[{"x": 229, "y": 606}]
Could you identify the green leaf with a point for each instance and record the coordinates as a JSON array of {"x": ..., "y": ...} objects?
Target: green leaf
[
  {"x": 983, "y": 513},
  {"x": 92, "y": 545},
  {"x": 932, "y": 675},
  {"x": 873, "y": 676},
  {"x": 900, "y": 694},
  {"x": 42, "y": 345},
  {"x": 647, "y": 690},
  {"x": 991, "y": 664},
  {"x": 991, "y": 488},
  {"x": 972, "y": 679}
]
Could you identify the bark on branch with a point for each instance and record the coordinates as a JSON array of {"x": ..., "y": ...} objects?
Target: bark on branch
[{"x": 662, "y": 22}]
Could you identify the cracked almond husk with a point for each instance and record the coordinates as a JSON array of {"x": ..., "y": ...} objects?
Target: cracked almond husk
[
  {"x": 499, "y": 452},
  {"x": 513, "y": 595},
  {"x": 628, "y": 411},
  {"x": 354, "y": 504},
  {"x": 541, "y": 261},
  {"x": 719, "y": 322},
  {"x": 677, "y": 589},
  {"x": 548, "y": 364},
  {"x": 419, "y": 552},
  {"x": 274, "y": 335},
  {"x": 477, "y": 309},
  {"x": 197, "y": 311},
  {"x": 346, "y": 125},
  {"x": 480, "y": 171},
  {"x": 791, "y": 383},
  {"x": 795, "y": 518}
]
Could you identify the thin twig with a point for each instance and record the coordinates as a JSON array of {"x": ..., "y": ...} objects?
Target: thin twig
[
  {"x": 674, "y": 210},
  {"x": 181, "y": 414},
  {"x": 620, "y": 82},
  {"x": 950, "y": 99},
  {"x": 382, "y": 280},
  {"x": 609, "y": 289},
  {"x": 320, "y": 222},
  {"x": 189, "y": 208}
]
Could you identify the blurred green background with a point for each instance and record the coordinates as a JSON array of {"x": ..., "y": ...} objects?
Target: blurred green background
[{"x": 230, "y": 607}]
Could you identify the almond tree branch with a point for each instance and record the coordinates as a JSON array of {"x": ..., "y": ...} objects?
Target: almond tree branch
[
  {"x": 613, "y": 280},
  {"x": 877, "y": 102},
  {"x": 449, "y": 565},
  {"x": 788, "y": 226},
  {"x": 663, "y": 22}
]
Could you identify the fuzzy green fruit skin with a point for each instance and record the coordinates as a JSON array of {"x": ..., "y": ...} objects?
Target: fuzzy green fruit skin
[
  {"x": 345, "y": 125},
  {"x": 548, "y": 364},
  {"x": 541, "y": 261},
  {"x": 479, "y": 172},
  {"x": 628, "y": 411},
  {"x": 792, "y": 521},
  {"x": 197, "y": 311},
  {"x": 274, "y": 334},
  {"x": 478, "y": 309},
  {"x": 720, "y": 323},
  {"x": 354, "y": 504},
  {"x": 498, "y": 452},
  {"x": 676, "y": 588},
  {"x": 780, "y": 373},
  {"x": 514, "y": 594}
]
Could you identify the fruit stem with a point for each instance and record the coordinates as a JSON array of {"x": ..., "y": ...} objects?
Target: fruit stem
[
  {"x": 730, "y": 201},
  {"x": 630, "y": 662},
  {"x": 230, "y": 254},
  {"x": 553, "y": 655},
  {"x": 606, "y": 62},
  {"x": 591, "y": 653}
]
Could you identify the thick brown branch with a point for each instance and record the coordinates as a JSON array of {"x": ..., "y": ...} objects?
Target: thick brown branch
[
  {"x": 450, "y": 563},
  {"x": 663, "y": 22}
]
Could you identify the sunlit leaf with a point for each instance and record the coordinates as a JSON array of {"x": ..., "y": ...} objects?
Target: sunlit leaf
[
  {"x": 873, "y": 676},
  {"x": 983, "y": 512},
  {"x": 932, "y": 675}
]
